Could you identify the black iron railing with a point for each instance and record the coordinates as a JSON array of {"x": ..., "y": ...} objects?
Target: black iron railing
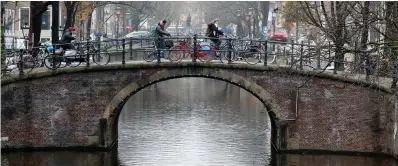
[{"x": 301, "y": 56}]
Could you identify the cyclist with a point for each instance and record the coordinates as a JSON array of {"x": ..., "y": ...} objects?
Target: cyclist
[
  {"x": 213, "y": 32},
  {"x": 67, "y": 39},
  {"x": 160, "y": 32}
]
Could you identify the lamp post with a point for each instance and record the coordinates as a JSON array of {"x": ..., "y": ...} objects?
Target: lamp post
[
  {"x": 106, "y": 23},
  {"x": 20, "y": 63},
  {"x": 25, "y": 33}
]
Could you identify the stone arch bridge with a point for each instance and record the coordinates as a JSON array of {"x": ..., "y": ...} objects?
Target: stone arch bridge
[{"x": 78, "y": 107}]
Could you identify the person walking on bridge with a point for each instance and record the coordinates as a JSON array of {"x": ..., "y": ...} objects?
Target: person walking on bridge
[
  {"x": 160, "y": 33},
  {"x": 213, "y": 32}
]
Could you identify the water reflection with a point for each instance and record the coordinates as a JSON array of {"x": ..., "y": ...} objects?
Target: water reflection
[
  {"x": 194, "y": 121},
  {"x": 189, "y": 121},
  {"x": 65, "y": 158},
  {"x": 332, "y": 160}
]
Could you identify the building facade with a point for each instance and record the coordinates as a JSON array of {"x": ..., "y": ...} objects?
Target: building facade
[{"x": 18, "y": 14}]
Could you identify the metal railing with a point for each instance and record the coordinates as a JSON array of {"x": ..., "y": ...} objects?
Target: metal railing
[{"x": 300, "y": 56}]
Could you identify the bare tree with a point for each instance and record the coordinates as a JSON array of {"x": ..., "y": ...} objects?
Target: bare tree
[
  {"x": 3, "y": 58},
  {"x": 71, "y": 8},
  {"x": 36, "y": 20}
]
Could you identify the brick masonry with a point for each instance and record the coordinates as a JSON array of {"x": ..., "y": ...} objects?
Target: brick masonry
[{"x": 63, "y": 109}]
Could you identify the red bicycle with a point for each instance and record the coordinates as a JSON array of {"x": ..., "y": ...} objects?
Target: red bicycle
[{"x": 182, "y": 50}]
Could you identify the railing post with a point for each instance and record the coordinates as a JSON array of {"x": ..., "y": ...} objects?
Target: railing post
[
  {"x": 266, "y": 52},
  {"x": 273, "y": 46},
  {"x": 195, "y": 55},
  {"x": 284, "y": 54},
  {"x": 318, "y": 59},
  {"x": 334, "y": 63},
  {"x": 131, "y": 48},
  {"x": 54, "y": 59},
  {"x": 20, "y": 64},
  {"x": 309, "y": 51},
  {"x": 329, "y": 60},
  {"x": 88, "y": 54},
  {"x": 301, "y": 55},
  {"x": 99, "y": 46},
  {"x": 229, "y": 51},
  {"x": 158, "y": 49},
  {"x": 292, "y": 56},
  {"x": 141, "y": 41},
  {"x": 124, "y": 51},
  {"x": 78, "y": 51}
]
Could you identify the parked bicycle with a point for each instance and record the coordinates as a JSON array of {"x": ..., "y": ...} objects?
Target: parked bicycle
[
  {"x": 75, "y": 57},
  {"x": 205, "y": 51}
]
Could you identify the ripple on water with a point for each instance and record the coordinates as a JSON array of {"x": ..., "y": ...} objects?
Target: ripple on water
[{"x": 183, "y": 127}]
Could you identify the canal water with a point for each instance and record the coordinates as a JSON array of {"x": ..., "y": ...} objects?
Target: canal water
[{"x": 190, "y": 121}]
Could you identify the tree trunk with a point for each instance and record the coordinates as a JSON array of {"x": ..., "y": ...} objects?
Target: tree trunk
[
  {"x": 35, "y": 23},
  {"x": 136, "y": 21},
  {"x": 3, "y": 57},
  {"x": 36, "y": 30},
  {"x": 339, "y": 42},
  {"x": 124, "y": 21},
  {"x": 88, "y": 25},
  {"x": 264, "y": 12},
  {"x": 392, "y": 36},
  {"x": 364, "y": 38},
  {"x": 70, "y": 14},
  {"x": 55, "y": 22},
  {"x": 255, "y": 24},
  {"x": 74, "y": 16},
  {"x": 239, "y": 30}
]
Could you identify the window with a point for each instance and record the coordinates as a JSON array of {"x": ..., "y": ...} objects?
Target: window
[
  {"x": 45, "y": 19},
  {"x": 24, "y": 17}
]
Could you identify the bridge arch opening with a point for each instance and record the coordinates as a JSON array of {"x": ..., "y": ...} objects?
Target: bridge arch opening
[{"x": 110, "y": 118}]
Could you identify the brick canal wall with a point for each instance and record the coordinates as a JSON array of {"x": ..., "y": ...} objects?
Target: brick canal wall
[
  {"x": 395, "y": 125},
  {"x": 63, "y": 108}
]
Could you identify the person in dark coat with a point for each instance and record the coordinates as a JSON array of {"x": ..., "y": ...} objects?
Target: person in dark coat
[
  {"x": 213, "y": 32},
  {"x": 67, "y": 38},
  {"x": 160, "y": 34}
]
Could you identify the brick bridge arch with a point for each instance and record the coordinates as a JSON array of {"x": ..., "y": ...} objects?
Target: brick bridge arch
[
  {"x": 78, "y": 107},
  {"x": 109, "y": 120}
]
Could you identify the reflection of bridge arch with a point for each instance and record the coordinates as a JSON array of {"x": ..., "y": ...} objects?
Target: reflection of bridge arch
[
  {"x": 109, "y": 133},
  {"x": 221, "y": 89}
]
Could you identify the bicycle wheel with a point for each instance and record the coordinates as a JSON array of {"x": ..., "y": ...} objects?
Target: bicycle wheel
[
  {"x": 206, "y": 56},
  {"x": 174, "y": 54},
  {"x": 75, "y": 61},
  {"x": 251, "y": 56},
  {"x": 149, "y": 56},
  {"x": 51, "y": 62},
  {"x": 101, "y": 58},
  {"x": 63, "y": 64},
  {"x": 271, "y": 58},
  {"x": 29, "y": 63},
  {"x": 40, "y": 59},
  {"x": 224, "y": 56}
]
